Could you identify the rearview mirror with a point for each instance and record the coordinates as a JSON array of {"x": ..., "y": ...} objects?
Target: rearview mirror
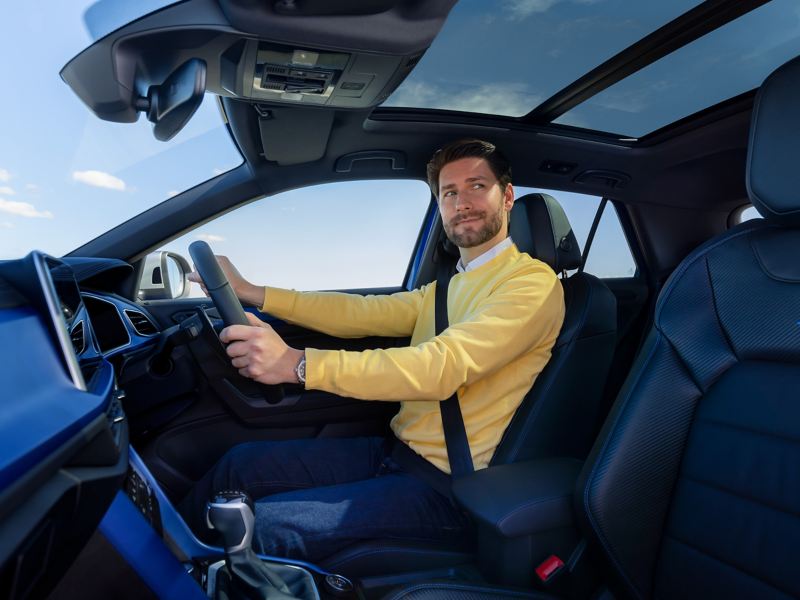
[
  {"x": 169, "y": 106},
  {"x": 163, "y": 277}
]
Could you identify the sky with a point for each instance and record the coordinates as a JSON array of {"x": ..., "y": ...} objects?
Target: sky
[
  {"x": 67, "y": 176},
  {"x": 506, "y": 57}
]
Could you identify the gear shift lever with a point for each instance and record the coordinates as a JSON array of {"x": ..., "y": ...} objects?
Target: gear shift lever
[{"x": 231, "y": 513}]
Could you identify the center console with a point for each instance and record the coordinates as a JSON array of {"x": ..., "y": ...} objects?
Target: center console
[{"x": 210, "y": 566}]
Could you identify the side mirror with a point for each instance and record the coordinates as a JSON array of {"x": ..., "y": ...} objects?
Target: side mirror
[
  {"x": 164, "y": 277},
  {"x": 169, "y": 106}
]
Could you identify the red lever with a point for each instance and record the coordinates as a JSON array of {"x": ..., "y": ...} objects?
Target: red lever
[{"x": 549, "y": 567}]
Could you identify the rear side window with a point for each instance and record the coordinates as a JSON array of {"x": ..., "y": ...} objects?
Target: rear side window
[
  {"x": 610, "y": 255},
  {"x": 337, "y": 236},
  {"x": 747, "y": 214}
]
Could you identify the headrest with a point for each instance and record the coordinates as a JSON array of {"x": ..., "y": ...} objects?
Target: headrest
[
  {"x": 540, "y": 227},
  {"x": 773, "y": 177}
]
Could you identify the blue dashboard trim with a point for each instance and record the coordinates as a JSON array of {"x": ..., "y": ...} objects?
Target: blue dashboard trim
[
  {"x": 125, "y": 528},
  {"x": 40, "y": 407}
]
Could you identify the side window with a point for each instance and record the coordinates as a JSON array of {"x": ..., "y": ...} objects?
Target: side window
[
  {"x": 748, "y": 213},
  {"x": 610, "y": 255},
  {"x": 347, "y": 235}
]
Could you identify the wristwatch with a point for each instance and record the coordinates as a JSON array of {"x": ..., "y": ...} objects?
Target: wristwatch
[{"x": 300, "y": 369}]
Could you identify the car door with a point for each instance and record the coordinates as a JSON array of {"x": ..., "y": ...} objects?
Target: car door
[{"x": 359, "y": 237}]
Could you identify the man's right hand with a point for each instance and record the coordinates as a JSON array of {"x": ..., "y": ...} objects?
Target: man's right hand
[{"x": 246, "y": 292}]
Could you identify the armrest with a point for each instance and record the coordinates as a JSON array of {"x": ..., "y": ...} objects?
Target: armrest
[{"x": 521, "y": 498}]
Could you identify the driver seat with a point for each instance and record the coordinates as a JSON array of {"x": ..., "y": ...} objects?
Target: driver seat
[
  {"x": 693, "y": 488},
  {"x": 559, "y": 416}
]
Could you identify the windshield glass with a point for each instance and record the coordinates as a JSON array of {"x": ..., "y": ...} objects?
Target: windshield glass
[{"x": 65, "y": 175}]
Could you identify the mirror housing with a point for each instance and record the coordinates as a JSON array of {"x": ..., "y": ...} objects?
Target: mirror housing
[
  {"x": 163, "y": 277},
  {"x": 169, "y": 106}
]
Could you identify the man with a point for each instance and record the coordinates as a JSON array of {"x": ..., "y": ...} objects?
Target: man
[{"x": 317, "y": 496}]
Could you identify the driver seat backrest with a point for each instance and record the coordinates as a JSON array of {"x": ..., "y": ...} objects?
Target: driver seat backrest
[
  {"x": 693, "y": 488},
  {"x": 560, "y": 414}
]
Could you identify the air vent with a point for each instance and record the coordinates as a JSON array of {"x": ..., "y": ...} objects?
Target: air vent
[
  {"x": 78, "y": 337},
  {"x": 276, "y": 70},
  {"x": 140, "y": 322}
]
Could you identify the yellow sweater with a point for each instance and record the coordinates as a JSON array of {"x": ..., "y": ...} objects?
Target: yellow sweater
[{"x": 504, "y": 317}]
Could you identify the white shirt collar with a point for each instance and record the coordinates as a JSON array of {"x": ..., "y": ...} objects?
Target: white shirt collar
[{"x": 485, "y": 257}]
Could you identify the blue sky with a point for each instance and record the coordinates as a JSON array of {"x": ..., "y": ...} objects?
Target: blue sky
[
  {"x": 507, "y": 56},
  {"x": 66, "y": 176}
]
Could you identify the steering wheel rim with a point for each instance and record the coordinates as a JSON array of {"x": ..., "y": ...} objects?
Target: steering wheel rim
[{"x": 217, "y": 284}]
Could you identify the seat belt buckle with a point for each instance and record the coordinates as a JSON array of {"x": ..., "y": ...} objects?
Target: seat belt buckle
[{"x": 549, "y": 570}]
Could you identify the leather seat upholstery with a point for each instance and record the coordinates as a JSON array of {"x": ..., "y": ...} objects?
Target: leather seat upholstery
[
  {"x": 692, "y": 489},
  {"x": 559, "y": 416}
]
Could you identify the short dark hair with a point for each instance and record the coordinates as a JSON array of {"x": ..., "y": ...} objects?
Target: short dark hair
[{"x": 469, "y": 148}]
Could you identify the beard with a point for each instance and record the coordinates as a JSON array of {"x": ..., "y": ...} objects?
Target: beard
[{"x": 471, "y": 238}]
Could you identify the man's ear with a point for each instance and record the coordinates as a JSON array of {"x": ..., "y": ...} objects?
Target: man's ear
[{"x": 508, "y": 197}]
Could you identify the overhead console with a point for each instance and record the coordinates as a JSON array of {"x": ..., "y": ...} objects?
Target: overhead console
[
  {"x": 277, "y": 73},
  {"x": 338, "y": 54}
]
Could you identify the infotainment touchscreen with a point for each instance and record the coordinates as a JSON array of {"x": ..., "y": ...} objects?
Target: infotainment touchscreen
[
  {"x": 49, "y": 285},
  {"x": 62, "y": 298}
]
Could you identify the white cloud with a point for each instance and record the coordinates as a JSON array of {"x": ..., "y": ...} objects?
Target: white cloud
[
  {"x": 511, "y": 99},
  {"x": 6, "y": 225},
  {"x": 630, "y": 101},
  {"x": 172, "y": 193},
  {"x": 522, "y": 9},
  {"x": 23, "y": 209},
  {"x": 7, "y": 191},
  {"x": 99, "y": 179},
  {"x": 31, "y": 187},
  {"x": 217, "y": 171},
  {"x": 4, "y": 175},
  {"x": 210, "y": 237},
  {"x": 517, "y": 10}
]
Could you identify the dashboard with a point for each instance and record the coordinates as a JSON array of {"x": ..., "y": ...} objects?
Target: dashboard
[{"x": 65, "y": 334}]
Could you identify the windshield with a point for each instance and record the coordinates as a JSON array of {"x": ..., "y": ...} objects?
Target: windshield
[{"x": 65, "y": 175}]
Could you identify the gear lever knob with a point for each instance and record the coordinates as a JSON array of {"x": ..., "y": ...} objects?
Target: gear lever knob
[{"x": 232, "y": 514}]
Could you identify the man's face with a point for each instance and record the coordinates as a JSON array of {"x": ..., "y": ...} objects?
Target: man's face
[{"x": 472, "y": 204}]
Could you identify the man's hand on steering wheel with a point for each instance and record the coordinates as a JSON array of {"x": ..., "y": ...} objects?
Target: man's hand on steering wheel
[
  {"x": 255, "y": 349},
  {"x": 248, "y": 293},
  {"x": 259, "y": 353}
]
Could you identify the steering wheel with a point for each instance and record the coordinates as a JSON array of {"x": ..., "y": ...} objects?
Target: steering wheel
[
  {"x": 245, "y": 397},
  {"x": 217, "y": 284}
]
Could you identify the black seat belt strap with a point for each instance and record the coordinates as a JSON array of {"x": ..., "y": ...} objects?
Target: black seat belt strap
[{"x": 455, "y": 434}]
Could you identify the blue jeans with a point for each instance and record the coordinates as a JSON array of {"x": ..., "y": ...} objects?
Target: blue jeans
[{"x": 314, "y": 497}]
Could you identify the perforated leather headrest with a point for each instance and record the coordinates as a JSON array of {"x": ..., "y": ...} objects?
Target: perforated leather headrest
[
  {"x": 540, "y": 227},
  {"x": 773, "y": 177}
]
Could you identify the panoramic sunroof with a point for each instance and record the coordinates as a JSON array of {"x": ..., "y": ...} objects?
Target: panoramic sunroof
[
  {"x": 506, "y": 57},
  {"x": 724, "y": 63}
]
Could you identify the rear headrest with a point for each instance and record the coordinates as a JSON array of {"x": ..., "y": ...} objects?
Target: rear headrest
[
  {"x": 540, "y": 227},
  {"x": 773, "y": 176}
]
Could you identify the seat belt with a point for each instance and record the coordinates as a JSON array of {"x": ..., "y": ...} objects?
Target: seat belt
[{"x": 455, "y": 434}]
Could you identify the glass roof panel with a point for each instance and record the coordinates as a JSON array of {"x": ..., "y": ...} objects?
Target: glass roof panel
[
  {"x": 506, "y": 57},
  {"x": 724, "y": 63}
]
